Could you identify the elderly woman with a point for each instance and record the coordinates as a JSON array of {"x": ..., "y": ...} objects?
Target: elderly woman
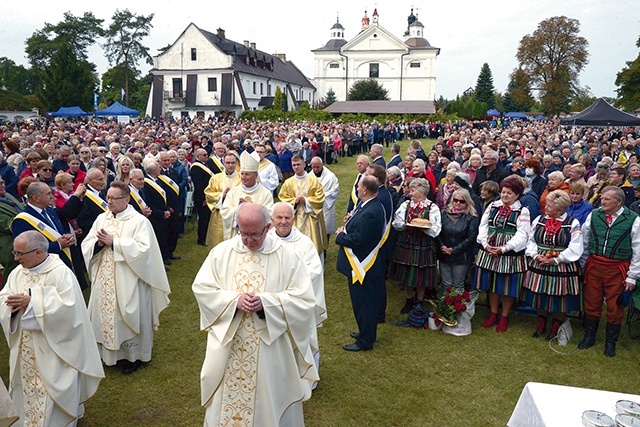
[
  {"x": 45, "y": 173},
  {"x": 579, "y": 208},
  {"x": 554, "y": 182},
  {"x": 445, "y": 189},
  {"x": 553, "y": 283},
  {"x": 489, "y": 193},
  {"x": 576, "y": 176},
  {"x": 537, "y": 183},
  {"x": 32, "y": 160},
  {"x": 475, "y": 163},
  {"x": 394, "y": 177},
  {"x": 457, "y": 239},
  {"x": 123, "y": 168},
  {"x": 501, "y": 263},
  {"x": 415, "y": 254}
]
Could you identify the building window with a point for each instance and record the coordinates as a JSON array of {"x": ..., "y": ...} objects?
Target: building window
[
  {"x": 194, "y": 56},
  {"x": 374, "y": 70},
  {"x": 334, "y": 65},
  {"x": 261, "y": 88},
  {"x": 213, "y": 84},
  {"x": 177, "y": 88},
  {"x": 268, "y": 90},
  {"x": 414, "y": 65},
  {"x": 254, "y": 88}
]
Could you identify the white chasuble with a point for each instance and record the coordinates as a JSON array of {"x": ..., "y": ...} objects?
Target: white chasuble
[{"x": 256, "y": 371}]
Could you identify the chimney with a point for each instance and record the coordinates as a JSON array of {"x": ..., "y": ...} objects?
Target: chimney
[
  {"x": 281, "y": 56},
  {"x": 220, "y": 34},
  {"x": 253, "y": 46},
  {"x": 246, "y": 44}
]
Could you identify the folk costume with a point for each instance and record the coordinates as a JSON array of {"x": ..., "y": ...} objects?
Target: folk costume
[
  {"x": 130, "y": 286},
  {"x": 554, "y": 288},
  {"x": 257, "y": 369},
  {"x": 54, "y": 365},
  {"x": 507, "y": 227}
]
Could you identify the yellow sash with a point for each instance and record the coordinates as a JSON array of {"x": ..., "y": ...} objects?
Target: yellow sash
[
  {"x": 217, "y": 162},
  {"x": 139, "y": 201},
  {"x": 50, "y": 233},
  {"x": 156, "y": 187},
  {"x": 203, "y": 167},
  {"x": 97, "y": 200},
  {"x": 354, "y": 197},
  {"x": 170, "y": 183}
]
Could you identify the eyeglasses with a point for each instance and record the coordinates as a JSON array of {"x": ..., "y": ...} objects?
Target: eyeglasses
[
  {"x": 47, "y": 170},
  {"x": 19, "y": 254},
  {"x": 253, "y": 236},
  {"x": 464, "y": 202},
  {"x": 109, "y": 199},
  {"x": 102, "y": 151}
]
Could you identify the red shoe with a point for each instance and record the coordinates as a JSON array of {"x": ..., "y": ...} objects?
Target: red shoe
[
  {"x": 492, "y": 320},
  {"x": 503, "y": 324}
]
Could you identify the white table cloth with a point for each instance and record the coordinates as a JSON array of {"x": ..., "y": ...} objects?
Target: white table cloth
[{"x": 548, "y": 405}]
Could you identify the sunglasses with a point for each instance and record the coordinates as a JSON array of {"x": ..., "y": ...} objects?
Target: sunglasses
[
  {"x": 459, "y": 201},
  {"x": 46, "y": 170}
]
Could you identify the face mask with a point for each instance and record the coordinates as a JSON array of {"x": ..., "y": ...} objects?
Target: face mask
[{"x": 529, "y": 171}]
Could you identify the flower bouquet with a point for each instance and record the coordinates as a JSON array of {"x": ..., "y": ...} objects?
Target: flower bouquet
[{"x": 450, "y": 305}]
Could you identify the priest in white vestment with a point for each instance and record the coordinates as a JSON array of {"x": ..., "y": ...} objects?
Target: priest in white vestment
[
  {"x": 257, "y": 305},
  {"x": 331, "y": 188},
  {"x": 266, "y": 168},
  {"x": 54, "y": 364},
  {"x": 129, "y": 283},
  {"x": 283, "y": 229},
  {"x": 215, "y": 194},
  {"x": 304, "y": 192},
  {"x": 249, "y": 190}
]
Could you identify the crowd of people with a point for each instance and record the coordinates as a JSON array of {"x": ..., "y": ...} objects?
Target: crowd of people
[{"x": 526, "y": 212}]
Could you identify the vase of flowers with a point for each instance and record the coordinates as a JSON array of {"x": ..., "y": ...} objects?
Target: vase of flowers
[{"x": 455, "y": 310}]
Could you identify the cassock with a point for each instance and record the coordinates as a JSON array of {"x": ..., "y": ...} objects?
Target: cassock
[
  {"x": 54, "y": 365},
  {"x": 256, "y": 194},
  {"x": 130, "y": 286},
  {"x": 308, "y": 217},
  {"x": 256, "y": 371},
  {"x": 268, "y": 174},
  {"x": 200, "y": 176},
  {"x": 213, "y": 194},
  {"x": 331, "y": 188}
]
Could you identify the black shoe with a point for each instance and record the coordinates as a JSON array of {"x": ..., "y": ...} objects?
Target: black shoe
[
  {"x": 202, "y": 243},
  {"x": 167, "y": 261},
  {"x": 354, "y": 347},
  {"x": 590, "y": 330},
  {"x": 167, "y": 269},
  {"x": 354, "y": 335},
  {"x": 130, "y": 367},
  {"x": 175, "y": 257},
  {"x": 613, "y": 332},
  {"x": 180, "y": 235}
]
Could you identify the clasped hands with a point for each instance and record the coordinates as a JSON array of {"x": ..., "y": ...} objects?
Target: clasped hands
[
  {"x": 249, "y": 303},
  {"x": 494, "y": 250},
  {"x": 104, "y": 238},
  {"x": 66, "y": 240},
  {"x": 18, "y": 302}
]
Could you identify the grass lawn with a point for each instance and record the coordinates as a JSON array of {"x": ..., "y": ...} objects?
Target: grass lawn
[{"x": 412, "y": 377}]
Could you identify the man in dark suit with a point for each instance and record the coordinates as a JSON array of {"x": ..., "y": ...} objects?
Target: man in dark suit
[
  {"x": 358, "y": 239},
  {"x": 168, "y": 180},
  {"x": 376, "y": 155},
  {"x": 216, "y": 162},
  {"x": 93, "y": 203},
  {"x": 362, "y": 163},
  {"x": 37, "y": 215},
  {"x": 395, "y": 156},
  {"x": 200, "y": 176},
  {"x": 138, "y": 194},
  {"x": 160, "y": 213},
  {"x": 490, "y": 171}
]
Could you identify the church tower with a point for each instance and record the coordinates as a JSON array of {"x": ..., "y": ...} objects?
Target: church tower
[
  {"x": 337, "y": 31},
  {"x": 365, "y": 22}
]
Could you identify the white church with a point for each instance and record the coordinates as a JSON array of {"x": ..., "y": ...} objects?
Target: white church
[{"x": 405, "y": 67}]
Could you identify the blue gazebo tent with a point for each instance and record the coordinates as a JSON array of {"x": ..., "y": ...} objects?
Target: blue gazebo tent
[
  {"x": 69, "y": 112},
  {"x": 117, "y": 109},
  {"x": 516, "y": 115},
  {"x": 493, "y": 113}
]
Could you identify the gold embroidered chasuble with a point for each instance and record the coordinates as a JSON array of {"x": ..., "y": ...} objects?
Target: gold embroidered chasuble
[
  {"x": 213, "y": 195},
  {"x": 256, "y": 371},
  {"x": 54, "y": 362}
]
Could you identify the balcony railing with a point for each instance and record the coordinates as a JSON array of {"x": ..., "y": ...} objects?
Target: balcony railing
[{"x": 174, "y": 95}]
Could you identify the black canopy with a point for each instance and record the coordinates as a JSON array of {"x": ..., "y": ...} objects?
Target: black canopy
[{"x": 601, "y": 113}]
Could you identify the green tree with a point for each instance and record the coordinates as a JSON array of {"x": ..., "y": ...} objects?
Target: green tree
[
  {"x": 628, "y": 83},
  {"x": 123, "y": 47},
  {"x": 16, "y": 77},
  {"x": 367, "y": 90},
  {"x": 67, "y": 81},
  {"x": 331, "y": 96},
  {"x": 11, "y": 100},
  {"x": 518, "y": 95},
  {"x": 484, "y": 91},
  {"x": 279, "y": 100},
  {"x": 552, "y": 57},
  {"x": 61, "y": 83}
]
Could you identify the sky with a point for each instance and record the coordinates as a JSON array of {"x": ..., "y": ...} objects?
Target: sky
[{"x": 469, "y": 33}]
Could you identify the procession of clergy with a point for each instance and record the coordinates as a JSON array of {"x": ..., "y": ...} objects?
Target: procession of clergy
[{"x": 260, "y": 290}]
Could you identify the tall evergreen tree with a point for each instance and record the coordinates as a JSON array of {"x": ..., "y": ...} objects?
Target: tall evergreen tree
[
  {"x": 367, "y": 90},
  {"x": 331, "y": 96},
  {"x": 518, "y": 95},
  {"x": 484, "y": 91},
  {"x": 279, "y": 100}
]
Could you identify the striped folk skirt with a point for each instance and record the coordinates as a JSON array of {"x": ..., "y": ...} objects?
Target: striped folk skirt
[{"x": 415, "y": 259}]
